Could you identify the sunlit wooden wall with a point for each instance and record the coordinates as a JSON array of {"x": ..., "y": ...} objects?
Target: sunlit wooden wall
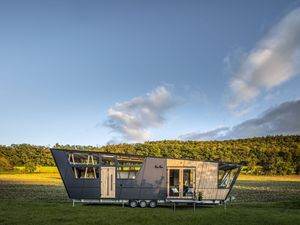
[{"x": 206, "y": 177}]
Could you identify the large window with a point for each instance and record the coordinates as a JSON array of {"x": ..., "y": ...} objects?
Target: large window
[
  {"x": 128, "y": 167},
  {"x": 127, "y": 172},
  {"x": 78, "y": 162},
  {"x": 108, "y": 160},
  {"x": 83, "y": 158},
  {"x": 86, "y": 165},
  {"x": 86, "y": 172},
  {"x": 226, "y": 177}
]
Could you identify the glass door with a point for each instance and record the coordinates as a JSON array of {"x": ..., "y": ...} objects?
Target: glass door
[{"x": 181, "y": 182}]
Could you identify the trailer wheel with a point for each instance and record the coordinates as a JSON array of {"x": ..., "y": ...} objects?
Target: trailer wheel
[
  {"x": 153, "y": 204},
  {"x": 133, "y": 204},
  {"x": 143, "y": 204}
]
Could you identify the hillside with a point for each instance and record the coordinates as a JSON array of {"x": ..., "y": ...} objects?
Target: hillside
[{"x": 263, "y": 156}]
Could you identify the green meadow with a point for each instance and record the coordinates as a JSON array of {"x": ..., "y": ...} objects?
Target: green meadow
[{"x": 40, "y": 198}]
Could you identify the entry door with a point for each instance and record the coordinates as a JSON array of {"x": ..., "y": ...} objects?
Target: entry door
[
  {"x": 181, "y": 182},
  {"x": 108, "y": 181}
]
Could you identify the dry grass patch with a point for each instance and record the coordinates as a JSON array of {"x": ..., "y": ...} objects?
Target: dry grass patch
[
  {"x": 31, "y": 178},
  {"x": 295, "y": 178}
]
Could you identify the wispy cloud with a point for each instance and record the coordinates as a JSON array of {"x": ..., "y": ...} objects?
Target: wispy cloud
[
  {"x": 132, "y": 119},
  {"x": 274, "y": 60},
  {"x": 214, "y": 134},
  {"x": 282, "y": 119}
]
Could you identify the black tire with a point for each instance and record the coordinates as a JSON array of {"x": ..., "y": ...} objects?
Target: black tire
[
  {"x": 133, "y": 203},
  {"x": 143, "y": 204},
  {"x": 152, "y": 204}
]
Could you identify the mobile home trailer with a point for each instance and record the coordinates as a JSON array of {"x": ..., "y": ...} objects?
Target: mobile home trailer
[{"x": 143, "y": 181}]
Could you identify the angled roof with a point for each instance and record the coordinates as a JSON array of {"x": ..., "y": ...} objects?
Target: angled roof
[{"x": 224, "y": 165}]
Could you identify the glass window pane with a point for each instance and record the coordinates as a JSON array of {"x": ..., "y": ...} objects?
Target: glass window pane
[
  {"x": 126, "y": 172},
  {"x": 122, "y": 175},
  {"x": 188, "y": 189},
  {"x": 131, "y": 175},
  {"x": 174, "y": 182},
  {"x": 86, "y": 172},
  {"x": 130, "y": 161},
  {"x": 108, "y": 160}
]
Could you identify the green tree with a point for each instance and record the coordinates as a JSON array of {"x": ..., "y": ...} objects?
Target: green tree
[
  {"x": 5, "y": 164},
  {"x": 30, "y": 167}
]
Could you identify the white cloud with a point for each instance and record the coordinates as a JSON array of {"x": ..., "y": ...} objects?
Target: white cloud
[
  {"x": 132, "y": 119},
  {"x": 274, "y": 60},
  {"x": 282, "y": 119}
]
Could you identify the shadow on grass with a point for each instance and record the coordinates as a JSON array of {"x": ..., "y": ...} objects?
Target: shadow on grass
[{"x": 181, "y": 206}]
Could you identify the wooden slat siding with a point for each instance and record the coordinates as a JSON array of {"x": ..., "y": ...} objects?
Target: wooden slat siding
[
  {"x": 222, "y": 194},
  {"x": 213, "y": 193},
  {"x": 203, "y": 176},
  {"x": 206, "y": 184},
  {"x": 208, "y": 193},
  {"x": 212, "y": 181},
  {"x": 204, "y": 193},
  {"x": 209, "y": 175},
  {"x": 214, "y": 175},
  {"x": 199, "y": 170}
]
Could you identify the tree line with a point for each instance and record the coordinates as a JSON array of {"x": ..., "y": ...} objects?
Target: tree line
[{"x": 271, "y": 155}]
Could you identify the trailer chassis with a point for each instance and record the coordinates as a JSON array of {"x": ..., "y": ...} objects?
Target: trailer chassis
[{"x": 140, "y": 203}]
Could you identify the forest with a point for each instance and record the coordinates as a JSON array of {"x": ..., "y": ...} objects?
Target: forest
[{"x": 270, "y": 155}]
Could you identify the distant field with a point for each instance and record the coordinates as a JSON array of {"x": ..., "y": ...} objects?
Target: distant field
[
  {"x": 44, "y": 176},
  {"x": 40, "y": 169},
  {"x": 267, "y": 188},
  {"x": 40, "y": 198}
]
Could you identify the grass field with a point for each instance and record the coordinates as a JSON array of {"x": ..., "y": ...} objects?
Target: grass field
[{"x": 40, "y": 198}]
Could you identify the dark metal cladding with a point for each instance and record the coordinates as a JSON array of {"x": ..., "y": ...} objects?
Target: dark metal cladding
[
  {"x": 150, "y": 182},
  {"x": 76, "y": 188}
]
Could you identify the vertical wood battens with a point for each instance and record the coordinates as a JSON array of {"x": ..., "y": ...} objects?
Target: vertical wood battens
[{"x": 206, "y": 177}]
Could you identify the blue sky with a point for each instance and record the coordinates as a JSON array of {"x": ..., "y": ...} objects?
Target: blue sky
[{"x": 97, "y": 72}]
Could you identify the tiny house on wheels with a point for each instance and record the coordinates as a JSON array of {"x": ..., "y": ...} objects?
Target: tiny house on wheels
[{"x": 143, "y": 181}]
